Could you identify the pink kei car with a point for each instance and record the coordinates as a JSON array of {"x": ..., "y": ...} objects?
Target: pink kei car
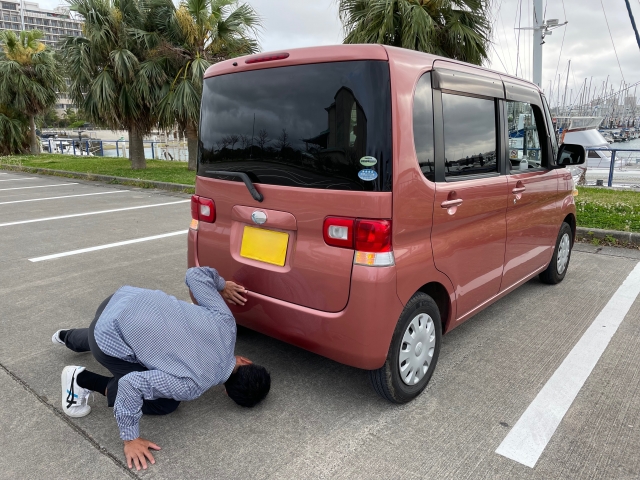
[{"x": 372, "y": 198}]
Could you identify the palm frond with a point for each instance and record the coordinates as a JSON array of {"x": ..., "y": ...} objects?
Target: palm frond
[
  {"x": 198, "y": 34},
  {"x": 454, "y": 28},
  {"x": 13, "y": 129},
  {"x": 125, "y": 64}
]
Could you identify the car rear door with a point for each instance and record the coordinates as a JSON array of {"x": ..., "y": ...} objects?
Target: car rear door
[
  {"x": 315, "y": 141},
  {"x": 469, "y": 217}
]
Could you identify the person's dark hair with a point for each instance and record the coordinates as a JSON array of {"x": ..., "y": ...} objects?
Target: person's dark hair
[{"x": 249, "y": 385}]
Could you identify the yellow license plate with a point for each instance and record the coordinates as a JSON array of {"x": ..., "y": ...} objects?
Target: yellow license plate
[{"x": 264, "y": 245}]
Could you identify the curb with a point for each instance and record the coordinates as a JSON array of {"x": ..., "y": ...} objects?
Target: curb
[
  {"x": 622, "y": 237},
  {"x": 136, "y": 182}
]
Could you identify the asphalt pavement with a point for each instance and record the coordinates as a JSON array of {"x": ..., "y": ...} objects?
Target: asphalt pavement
[{"x": 65, "y": 245}]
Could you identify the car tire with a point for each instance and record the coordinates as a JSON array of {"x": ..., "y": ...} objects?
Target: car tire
[
  {"x": 559, "y": 264},
  {"x": 404, "y": 376}
]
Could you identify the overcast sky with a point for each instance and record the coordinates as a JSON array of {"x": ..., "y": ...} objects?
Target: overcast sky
[{"x": 298, "y": 23}]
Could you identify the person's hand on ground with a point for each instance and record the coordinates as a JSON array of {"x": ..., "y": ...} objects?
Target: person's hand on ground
[
  {"x": 137, "y": 452},
  {"x": 232, "y": 293}
]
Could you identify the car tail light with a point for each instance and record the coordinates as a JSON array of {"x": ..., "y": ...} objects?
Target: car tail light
[
  {"x": 338, "y": 232},
  {"x": 267, "y": 58},
  {"x": 203, "y": 209},
  {"x": 371, "y": 239},
  {"x": 380, "y": 259},
  {"x": 373, "y": 243},
  {"x": 194, "y": 207},
  {"x": 373, "y": 235}
]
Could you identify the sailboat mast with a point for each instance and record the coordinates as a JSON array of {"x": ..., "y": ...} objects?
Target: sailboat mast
[
  {"x": 558, "y": 104},
  {"x": 538, "y": 26},
  {"x": 566, "y": 83},
  {"x": 589, "y": 97},
  {"x": 635, "y": 104}
]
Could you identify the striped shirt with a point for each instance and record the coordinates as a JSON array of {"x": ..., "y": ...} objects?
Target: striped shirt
[{"x": 187, "y": 348}]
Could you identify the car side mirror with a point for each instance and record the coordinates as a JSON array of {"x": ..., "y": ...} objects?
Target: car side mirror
[{"x": 571, "y": 154}]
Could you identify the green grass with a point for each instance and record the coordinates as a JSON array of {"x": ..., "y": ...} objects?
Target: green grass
[
  {"x": 157, "y": 170},
  {"x": 608, "y": 209}
]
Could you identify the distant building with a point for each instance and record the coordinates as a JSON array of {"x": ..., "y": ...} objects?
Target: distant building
[{"x": 54, "y": 24}]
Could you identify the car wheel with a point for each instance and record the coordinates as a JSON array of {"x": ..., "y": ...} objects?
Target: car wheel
[
  {"x": 413, "y": 352},
  {"x": 559, "y": 264}
]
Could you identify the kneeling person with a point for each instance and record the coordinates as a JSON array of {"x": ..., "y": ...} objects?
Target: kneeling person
[{"x": 160, "y": 351}]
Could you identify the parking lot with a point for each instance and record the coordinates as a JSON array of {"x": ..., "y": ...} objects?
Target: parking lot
[{"x": 68, "y": 244}]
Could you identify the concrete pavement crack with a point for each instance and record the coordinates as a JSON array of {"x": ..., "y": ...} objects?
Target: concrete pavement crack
[{"x": 73, "y": 426}]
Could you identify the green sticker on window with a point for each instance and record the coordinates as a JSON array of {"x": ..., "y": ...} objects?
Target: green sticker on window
[{"x": 368, "y": 161}]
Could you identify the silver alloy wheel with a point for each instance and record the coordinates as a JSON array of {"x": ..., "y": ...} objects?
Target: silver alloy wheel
[
  {"x": 416, "y": 351},
  {"x": 563, "y": 253}
]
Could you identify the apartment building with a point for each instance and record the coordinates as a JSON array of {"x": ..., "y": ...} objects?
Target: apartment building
[{"x": 54, "y": 24}]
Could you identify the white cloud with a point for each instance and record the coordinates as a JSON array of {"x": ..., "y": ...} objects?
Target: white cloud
[{"x": 298, "y": 23}]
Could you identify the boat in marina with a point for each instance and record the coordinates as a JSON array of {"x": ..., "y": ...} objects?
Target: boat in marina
[
  {"x": 584, "y": 131},
  {"x": 66, "y": 146}
]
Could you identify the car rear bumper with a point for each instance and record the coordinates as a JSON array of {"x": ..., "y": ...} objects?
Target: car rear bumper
[{"x": 358, "y": 336}]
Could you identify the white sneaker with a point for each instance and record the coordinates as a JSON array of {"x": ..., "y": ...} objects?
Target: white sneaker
[
  {"x": 74, "y": 397},
  {"x": 56, "y": 337}
]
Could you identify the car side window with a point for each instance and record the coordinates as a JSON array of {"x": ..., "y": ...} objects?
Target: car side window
[
  {"x": 524, "y": 137},
  {"x": 423, "y": 126},
  {"x": 469, "y": 135}
]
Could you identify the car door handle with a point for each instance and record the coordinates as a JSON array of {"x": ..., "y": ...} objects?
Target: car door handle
[
  {"x": 518, "y": 190},
  {"x": 451, "y": 203}
]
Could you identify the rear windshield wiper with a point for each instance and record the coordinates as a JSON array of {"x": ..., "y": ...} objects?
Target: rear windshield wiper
[{"x": 245, "y": 178}]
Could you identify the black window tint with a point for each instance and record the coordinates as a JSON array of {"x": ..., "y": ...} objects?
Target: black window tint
[
  {"x": 469, "y": 135},
  {"x": 316, "y": 126},
  {"x": 524, "y": 137},
  {"x": 423, "y": 126}
]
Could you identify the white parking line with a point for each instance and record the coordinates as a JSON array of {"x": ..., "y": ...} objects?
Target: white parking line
[
  {"x": 109, "y": 245},
  {"x": 64, "y": 196},
  {"x": 46, "y": 219},
  {"x": 529, "y": 436},
  {"x": 19, "y": 179},
  {"x": 39, "y": 186}
]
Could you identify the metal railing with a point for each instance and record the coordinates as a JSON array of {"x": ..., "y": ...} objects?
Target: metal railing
[
  {"x": 624, "y": 161},
  {"x": 154, "y": 150}
]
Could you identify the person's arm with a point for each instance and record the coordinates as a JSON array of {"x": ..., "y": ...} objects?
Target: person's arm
[
  {"x": 208, "y": 289},
  {"x": 133, "y": 389}
]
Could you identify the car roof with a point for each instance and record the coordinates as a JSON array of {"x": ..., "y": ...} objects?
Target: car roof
[{"x": 339, "y": 53}]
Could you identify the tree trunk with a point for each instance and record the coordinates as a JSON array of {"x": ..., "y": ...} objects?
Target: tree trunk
[
  {"x": 192, "y": 145},
  {"x": 34, "y": 147},
  {"x": 136, "y": 150}
]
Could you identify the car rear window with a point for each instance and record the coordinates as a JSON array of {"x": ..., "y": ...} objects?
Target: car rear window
[{"x": 324, "y": 125}]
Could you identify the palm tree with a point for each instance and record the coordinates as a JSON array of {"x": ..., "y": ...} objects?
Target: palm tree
[
  {"x": 194, "y": 36},
  {"x": 452, "y": 28},
  {"x": 13, "y": 127},
  {"x": 29, "y": 78},
  {"x": 112, "y": 78}
]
